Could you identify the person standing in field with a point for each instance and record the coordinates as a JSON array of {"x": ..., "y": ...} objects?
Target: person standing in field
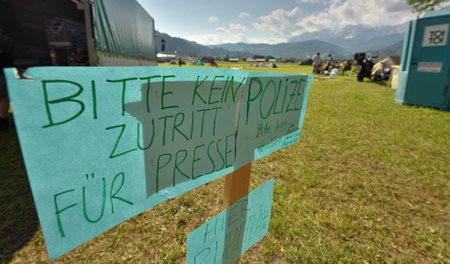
[
  {"x": 316, "y": 62},
  {"x": 329, "y": 63}
]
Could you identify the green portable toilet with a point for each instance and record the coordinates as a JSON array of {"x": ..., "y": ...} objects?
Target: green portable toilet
[{"x": 424, "y": 75}]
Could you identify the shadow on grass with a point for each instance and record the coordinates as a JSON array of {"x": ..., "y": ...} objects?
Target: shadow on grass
[
  {"x": 18, "y": 221},
  {"x": 381, "y": 83}
]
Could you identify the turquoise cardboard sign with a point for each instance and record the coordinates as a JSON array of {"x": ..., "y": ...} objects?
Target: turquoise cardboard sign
[
  {"x": 270, "y": 110},
  {"x": 228, "y": 235},
  {"x": 103, "y": 144}
]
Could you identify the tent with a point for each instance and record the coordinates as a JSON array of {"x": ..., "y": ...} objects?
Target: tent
[
  {"x": 261, "y": 64},
  {"x": 213, "y": 63},
  {"x": 198, "y": 63},
  {"x": 378, "y": 69},
  {"x": 272, "y": 65},
  {"x": 176, "y": 62},
  {"x": 306, "y": 62}
]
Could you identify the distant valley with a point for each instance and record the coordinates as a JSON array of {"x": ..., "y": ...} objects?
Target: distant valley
[{"x": 382, "y": 41}]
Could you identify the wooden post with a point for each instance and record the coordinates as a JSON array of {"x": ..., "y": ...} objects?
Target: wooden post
[{"x": 236, "y": 186}]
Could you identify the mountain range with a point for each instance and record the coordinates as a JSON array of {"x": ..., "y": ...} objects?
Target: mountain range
[
  {"x": 301, "y": 49},
  {"x": 346, "y": 40},
  {"x": 182, "y": 47},
  {"x": 357, "y": 38}
]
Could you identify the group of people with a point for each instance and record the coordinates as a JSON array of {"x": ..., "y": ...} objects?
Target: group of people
[{"x": 318, "y": 65}]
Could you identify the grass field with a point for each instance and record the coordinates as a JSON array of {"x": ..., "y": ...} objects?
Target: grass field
[{"x": 368, "y": 182}]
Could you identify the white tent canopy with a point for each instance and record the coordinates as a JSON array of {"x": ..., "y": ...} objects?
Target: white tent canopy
[{"x": 378, "y": 68}]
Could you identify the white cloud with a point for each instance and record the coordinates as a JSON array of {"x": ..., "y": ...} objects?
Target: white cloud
[
  {"x": 289, "y": 23},
  {"x": 267, "y": 40},
  {"x": 280, "y": 22},
  {"x": 371, "y": 12},
  {"x": 221, "y": 30},
  {"x": 280, "y": 25},
  {"x": 244, "y": 15},
  {"x": 222, "y": 35},
  {"x": 309, "y": 1},
  {"x": 237, "y": 27},
  {"x": 313, "y": 23},
  {"x": 284, "y": 23},
  {"x": 442, "y": 5},
  {"x": 213, "y": 19},
  {"x": 212, "y": 39}
]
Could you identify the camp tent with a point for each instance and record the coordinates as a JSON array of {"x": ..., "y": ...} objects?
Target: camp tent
[
  {"x": 213, "y": 63},
  {"x": 378, "y": 69},
  {"x": 306, "y": 62},
  {"x": 272, "y": 65},
  {"x": 176, "y": 62},
  {"x": 198, "y": 63}
]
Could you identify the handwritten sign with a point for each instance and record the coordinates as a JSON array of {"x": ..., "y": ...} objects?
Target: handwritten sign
[
  {"x": 103, "y": 144},
  {"x": 228, "y": 235}
]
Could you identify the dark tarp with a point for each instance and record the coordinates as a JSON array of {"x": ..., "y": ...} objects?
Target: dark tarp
[
  {"x": 124, "y": 27},
  {"x": 306, "y": 62}
]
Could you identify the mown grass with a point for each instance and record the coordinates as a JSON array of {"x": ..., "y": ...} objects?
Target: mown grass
[{"x": 368, "y": 182}]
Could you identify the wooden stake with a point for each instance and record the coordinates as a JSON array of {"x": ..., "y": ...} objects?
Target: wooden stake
[{"x": 236, "y": 186}]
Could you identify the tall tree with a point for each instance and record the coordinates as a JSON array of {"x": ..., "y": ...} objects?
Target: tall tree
[{"x": 424, "y": 5}]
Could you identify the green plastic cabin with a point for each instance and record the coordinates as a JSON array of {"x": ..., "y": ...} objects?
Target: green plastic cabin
[{"x": 424, "y": 76}]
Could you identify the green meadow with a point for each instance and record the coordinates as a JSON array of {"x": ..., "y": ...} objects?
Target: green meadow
[{"x": 368, "y": 182}]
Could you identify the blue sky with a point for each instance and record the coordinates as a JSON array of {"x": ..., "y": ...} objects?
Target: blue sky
[{"x": 267, "y": 21}]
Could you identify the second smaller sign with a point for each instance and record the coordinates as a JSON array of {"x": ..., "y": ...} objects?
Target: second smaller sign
[{"x": 228, "y": 235}]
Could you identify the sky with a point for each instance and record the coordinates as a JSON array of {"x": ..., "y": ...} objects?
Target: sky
[{"x": 210, "y": 22}]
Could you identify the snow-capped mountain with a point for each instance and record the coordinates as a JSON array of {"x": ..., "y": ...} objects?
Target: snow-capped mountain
[{"x": 355, "y": 38}]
